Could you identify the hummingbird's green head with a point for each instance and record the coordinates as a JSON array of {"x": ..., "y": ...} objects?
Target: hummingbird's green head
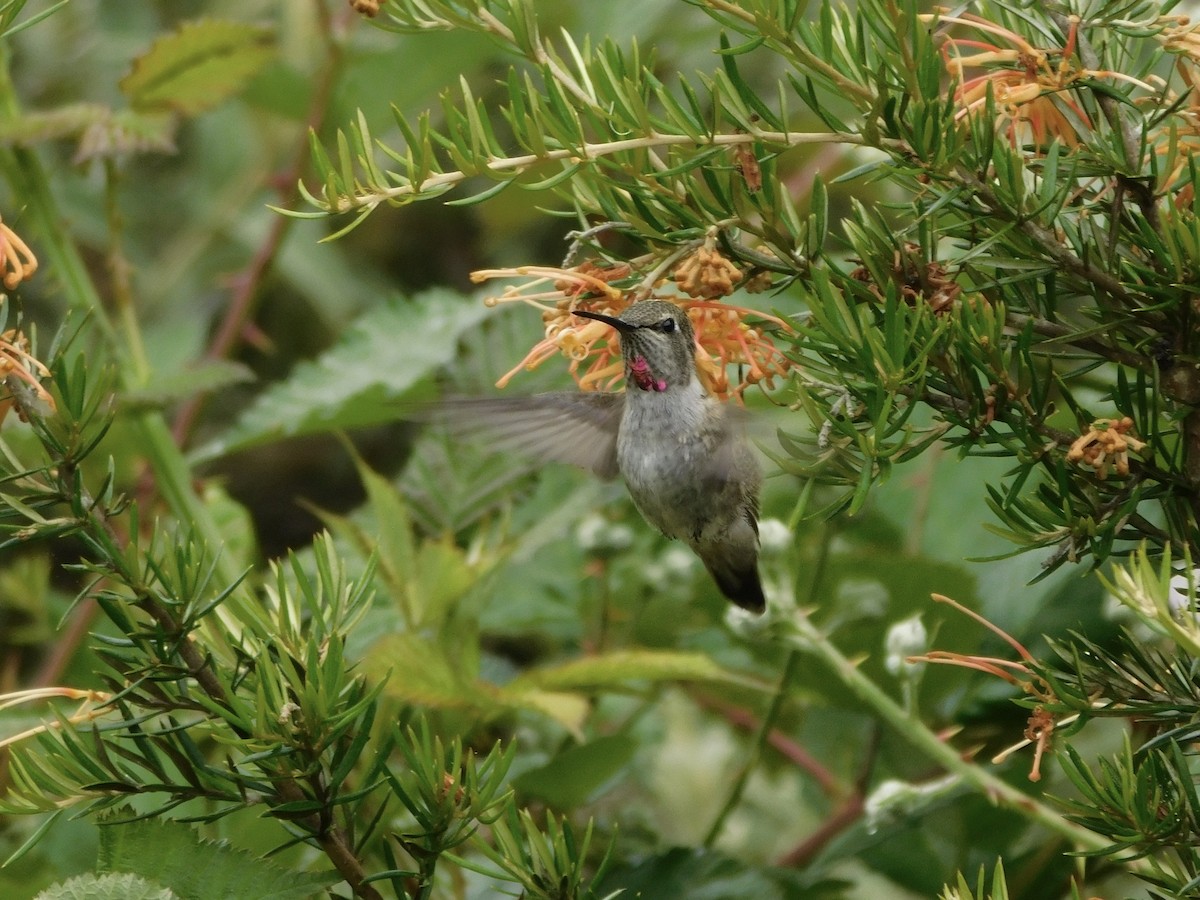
[{"x": 657, "y": 344}]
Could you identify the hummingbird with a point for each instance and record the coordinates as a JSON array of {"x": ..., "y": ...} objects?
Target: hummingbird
[{"x": 679, "y": 450}]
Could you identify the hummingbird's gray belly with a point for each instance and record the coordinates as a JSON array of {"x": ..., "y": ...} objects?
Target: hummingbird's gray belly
[{"x": 670, "y": 455}]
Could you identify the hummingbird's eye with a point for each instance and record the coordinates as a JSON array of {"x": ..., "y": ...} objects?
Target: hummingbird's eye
[{"x": 666, "y": 325}]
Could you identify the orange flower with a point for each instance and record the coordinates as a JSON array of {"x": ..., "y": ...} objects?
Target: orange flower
[
  {"x": 1039, "y": 729},
  {"x": 723, "y": 337},
  {"x": 1106, "y": 442},
  {"x": 1028, "y": 90},
  {"x": 21, "y": 372},
  {"x": 17, "y": 262}
]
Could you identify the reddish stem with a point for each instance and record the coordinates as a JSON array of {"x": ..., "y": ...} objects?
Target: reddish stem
[{"x": 246, "y": 283}]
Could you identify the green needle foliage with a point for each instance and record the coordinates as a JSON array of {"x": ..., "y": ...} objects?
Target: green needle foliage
[
  {"x": 967, "y": 233},
  {"x": 1019, "y": 291}
]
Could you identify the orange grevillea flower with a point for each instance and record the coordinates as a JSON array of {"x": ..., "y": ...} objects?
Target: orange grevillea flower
[
  {"x": 1039, "y": 729},
  {"x": 17, "y": 262},
  {"x": 1026, "y": 86},
  {"x": 723, "y": 336},
  {"x": 1178, "y": 137},
  {"x": 1106, "y": 443},
  {"x": 20, "y": 371},
  {"x": 1029, "y": 85}
]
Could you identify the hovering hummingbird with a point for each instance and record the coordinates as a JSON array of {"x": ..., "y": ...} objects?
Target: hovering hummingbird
[{"x": 680, "y": 451}]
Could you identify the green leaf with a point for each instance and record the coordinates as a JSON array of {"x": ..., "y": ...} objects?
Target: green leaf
[
  {"x": 201, "y": 378},
  {"x": 421, "y": 673},
  {"x": 114, "y": 886},
  {"x": 425, "y": 580},
  {"x": 101, "y": 131},
  {"x": 623, "y": 666},
  {"x": 195, "y": 868},
  {"x": 384, "y": 353},
  {"x": 568, "y": 710},
  {"x": 574, "y": 775},
  {"x": 127, "y": 131},
  {"x": 198, "y": 66},
  {"x": 65, "y": 121}
]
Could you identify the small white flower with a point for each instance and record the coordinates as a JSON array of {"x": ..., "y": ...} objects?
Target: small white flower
[
  {"x": 773, "y": 536},
  {"x": 597, "y": 535},
  {"x": 672, "y": 567}
]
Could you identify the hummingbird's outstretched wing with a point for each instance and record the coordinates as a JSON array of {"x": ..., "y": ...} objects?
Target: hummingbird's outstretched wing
[{"x": 564, "y": 426}]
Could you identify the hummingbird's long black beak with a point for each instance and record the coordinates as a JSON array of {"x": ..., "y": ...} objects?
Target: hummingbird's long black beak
[{"x": 621, "y": 326}]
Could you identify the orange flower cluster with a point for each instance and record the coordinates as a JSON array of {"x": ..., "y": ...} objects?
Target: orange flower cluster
[
  {"x": 20, "y": 371},
  {"x": 1107, "y": 442},
  {"x": 17, "y": 262},
  {"x": 1178, "y": 138},
  {"x": 1027, "y": 88},
  {"x": 708, "y": 274},
  {"x": 723, "y": 337}
]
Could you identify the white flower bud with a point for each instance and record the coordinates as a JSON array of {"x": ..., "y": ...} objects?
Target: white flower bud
[
  {"x": 905, "y": 638},
  {"x": 894, "y": 800},
  {"x": 598, "y": 536},
  {"x": 774, "y": 536}
]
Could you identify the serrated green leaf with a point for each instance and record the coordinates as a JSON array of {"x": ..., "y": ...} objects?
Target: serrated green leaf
[
  {"x": 195, "y": 868},
  {"x": 114, "y": 886},
  {"x": 420, "y": 672},
  {"x": 623, "y": 666},
  {"x": 355, "y": 383},
  {"x": 197, "y": 66}
]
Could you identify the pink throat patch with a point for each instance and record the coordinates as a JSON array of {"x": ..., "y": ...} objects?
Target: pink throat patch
[{"x": 639, "y": 369}]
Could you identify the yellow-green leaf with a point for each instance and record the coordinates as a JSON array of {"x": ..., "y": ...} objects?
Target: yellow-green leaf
[
  {"x": 623, "y": 666},
  {"x": 568, "y": 710},
  {"x": 197, "y": 66},
  {"x": 420, "y": 673}
]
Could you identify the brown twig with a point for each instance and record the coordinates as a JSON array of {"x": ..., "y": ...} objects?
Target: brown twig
[
  {"x": 785, "y": 746},
  {"x": 79, "y": 624},
  {"x": 246, "y": 284},
  {"x": 843, "y": 817}
]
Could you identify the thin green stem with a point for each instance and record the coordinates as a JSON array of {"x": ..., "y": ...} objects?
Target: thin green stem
[
  {"x": 118, "y": 271},
  {"x": 806, "y": 638},
  {"x": 30, "y": 183},
  {"x": 517, "y": 164}
]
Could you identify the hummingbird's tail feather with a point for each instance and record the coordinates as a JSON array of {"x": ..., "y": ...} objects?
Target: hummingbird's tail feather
[{"x": 737, "y": 579}]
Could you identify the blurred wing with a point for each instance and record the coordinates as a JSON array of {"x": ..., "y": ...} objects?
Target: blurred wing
[{"x": 575, "y": 428}]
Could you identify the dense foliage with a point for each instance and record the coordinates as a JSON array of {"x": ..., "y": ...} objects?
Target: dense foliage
[{"x": 949, "y": 256}]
